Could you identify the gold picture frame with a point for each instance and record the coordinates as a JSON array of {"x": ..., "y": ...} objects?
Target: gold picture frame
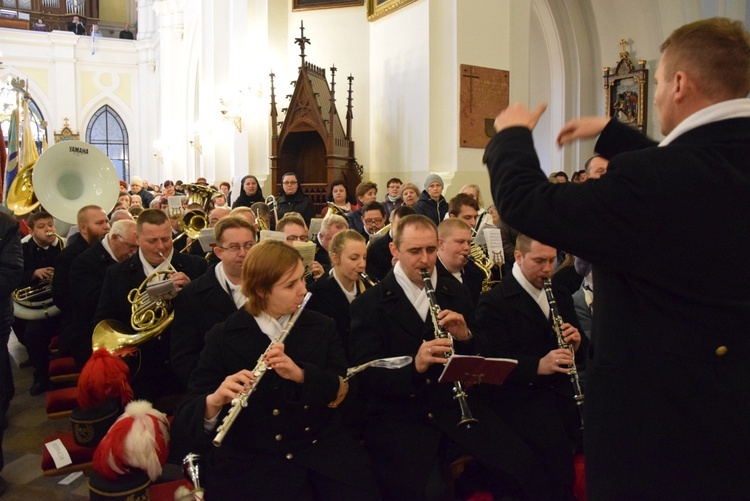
[
  {"x": 324, "y": 4},
  {"x": 626, "y": 91},
  {"x": 379, "y": 8}
]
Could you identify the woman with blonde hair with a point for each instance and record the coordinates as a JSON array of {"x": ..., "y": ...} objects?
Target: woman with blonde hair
[{"x": 287, "y": 443}]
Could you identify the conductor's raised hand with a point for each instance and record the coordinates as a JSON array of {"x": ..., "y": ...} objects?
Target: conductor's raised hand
[
  {"x": 581, "y": 128},
  {"x": 518, "y": 115}
]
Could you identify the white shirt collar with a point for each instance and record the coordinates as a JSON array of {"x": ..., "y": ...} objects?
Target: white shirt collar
[
  {"x": 458, "y": 274},
  {"x": 350, "y": 295},
  {"x": 108, "y": 247},
  {"x": 148, "y": 269},
  {"x": 538, "y": 295},
  {"x": 415, "y": 294},
  {"x": 734, "y": 108},
  {"x": 270, "y": 326},
  {"x": 234, "y": 291}
]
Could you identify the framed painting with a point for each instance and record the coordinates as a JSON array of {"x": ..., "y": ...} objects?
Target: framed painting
[
  {"x": 379, "y": 8},
  {"x": 626, "y": 91},
  {"x": 324, "y": 4}
]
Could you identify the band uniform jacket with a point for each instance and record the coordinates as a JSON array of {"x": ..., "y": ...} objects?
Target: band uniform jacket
[
  {"x": 409, "y": 414},
  {"x": 86, "y": 279},
  {"x": 379, "y": 257},
  {"x": 287, "y": 428},
  {"x": 202, "y": 304},
  {"x": 35, "y": 257},
  {"x": 329, "y": 299},
  {"x": 669, "y": 382},
  {"x": 471, "y": 275},
  {"x": 154, "y": 377},
  {"x": 63, "y": 262},
  {"x": 540, "y": 408}
]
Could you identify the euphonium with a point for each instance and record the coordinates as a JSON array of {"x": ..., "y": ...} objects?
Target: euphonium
[
  {"x": 35, "y": 302},
  {"x": 240, "y": 402},
  {"x": 557, "y": 323},
  {"x": 441, "y": 333}
]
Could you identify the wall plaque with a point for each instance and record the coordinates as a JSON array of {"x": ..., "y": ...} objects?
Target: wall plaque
[{"x": 484, "y": 93}]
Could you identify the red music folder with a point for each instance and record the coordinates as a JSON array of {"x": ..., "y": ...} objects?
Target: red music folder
[{"x": 472, "y": 370}]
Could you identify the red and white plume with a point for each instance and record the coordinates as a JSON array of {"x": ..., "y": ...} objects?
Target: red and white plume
[
  {"x": 103, "y": 377},
  {"x": 138, "y": 439}
]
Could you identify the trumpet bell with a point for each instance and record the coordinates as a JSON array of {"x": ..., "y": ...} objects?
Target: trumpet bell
[
  {"x": 21, "y": 197},
  {"x": 193, "y": 222},
  {"x": 73, "y": 174}
]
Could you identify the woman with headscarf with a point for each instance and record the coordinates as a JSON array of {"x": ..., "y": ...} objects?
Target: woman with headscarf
[{"x": 251, "y": 192}]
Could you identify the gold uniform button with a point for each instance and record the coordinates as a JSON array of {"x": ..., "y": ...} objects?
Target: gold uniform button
[
  {"x": 290, "y": 456},
  {"x": 315, "y": 441},
  {"x": 429, "y": 415},
  {"x": 278, "y": 438},
  {"x": 307, "y": 429},
  {"x": 275, "y": 412},
  {"x": 428, "y": 381},
  {"x": 721, "y": 351},
  {"x": 307, "y": 407}
]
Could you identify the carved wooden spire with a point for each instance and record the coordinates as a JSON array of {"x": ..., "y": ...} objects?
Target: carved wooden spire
[
  {"x": 349, "y": 114},
  {"x": 274, "y": 113},
  {"x": 302, "y": 40},
  {"x": 332, "y": 108}
]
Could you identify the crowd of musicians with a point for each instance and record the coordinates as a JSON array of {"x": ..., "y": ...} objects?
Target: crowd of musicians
[{"x": 396, "y": 433}]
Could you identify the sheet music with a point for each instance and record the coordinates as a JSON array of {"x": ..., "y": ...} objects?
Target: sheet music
[{"x": 494, "y": 240}]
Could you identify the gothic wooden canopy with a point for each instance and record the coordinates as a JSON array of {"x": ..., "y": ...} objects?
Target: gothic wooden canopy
[{"x": 312, "y": 142}]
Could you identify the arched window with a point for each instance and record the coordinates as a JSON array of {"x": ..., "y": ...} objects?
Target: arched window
[{"x": 107, "y": 132}]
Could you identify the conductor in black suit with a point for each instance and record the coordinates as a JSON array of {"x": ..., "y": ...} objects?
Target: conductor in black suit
[
  {"x": 86, "y": 279},
  {"x": 536, "y": 400},
  {"x": 668, "y": 385},
  {"x": 76, "y": 26},
  {"x": 151, "y": 374},
  {"x": 212, "y": 297},
  {"x": 411, "y": 424}
]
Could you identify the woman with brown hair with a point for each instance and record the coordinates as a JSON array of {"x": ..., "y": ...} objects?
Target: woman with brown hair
[{"x": 287, "y": 443}]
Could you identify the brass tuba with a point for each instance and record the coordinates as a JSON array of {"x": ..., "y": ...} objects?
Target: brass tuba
[{"x": 35, "y": 301}]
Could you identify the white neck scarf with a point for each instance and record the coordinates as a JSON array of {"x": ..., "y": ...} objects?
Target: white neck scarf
[
  {"x": 415, "y": 294},
  {"x": 734, "y": 108},
  {"x": 148, "y": 269},
  {"x": 108, "y": 248},
  {"x": 538, "y": 295},
  {"x": 350, "y": 295},
  {"x": 270, "y": 326},
  {"x": 234, "y": 291}
]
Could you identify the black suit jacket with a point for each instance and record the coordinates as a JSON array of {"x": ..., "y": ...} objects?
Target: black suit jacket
[
  {"x": 154, "y": 378},
  {"x": 409, "y": 414},
  {"x": 328, "y": 299},
  {"x": 472, "y": 277},
  {"x": 86, "y": 279},
  {"x": 658, "y": 330},
  {"x": 35, "y": 257},
  {"x": 379, "y": 257},
  {"x": 63, "y": 262},
  {"x": 197, "y": 308},
  {"x": 287, "y": 428}
]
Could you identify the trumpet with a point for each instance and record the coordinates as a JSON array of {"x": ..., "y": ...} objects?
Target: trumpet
[
  {"x": 557, "y": 323},
  {"x": 240, "y": 402},
  {"x": 440, "y": 333}
]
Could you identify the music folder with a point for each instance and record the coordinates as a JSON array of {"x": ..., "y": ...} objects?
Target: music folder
[{"x": 473, "y": 369}]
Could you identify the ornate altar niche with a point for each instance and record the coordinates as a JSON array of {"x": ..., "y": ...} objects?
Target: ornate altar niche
[
  {"x": 626, "y": 89},
  {"x": 312, "y": 141}
]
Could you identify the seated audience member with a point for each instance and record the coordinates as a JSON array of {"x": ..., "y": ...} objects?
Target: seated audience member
[
  {"x": 373, "y": 218},
  {"x": 39, "y": 25},
  {"x": 393, "y": 198},
  {"x": 431, "y": 201},
  {"x": 76, "y": 26},
  {"x": 126, "y": 34},
  {"x": 86, "y": 280},
  {"x": 297, "y": 448},
  {"x": 366, "y": 192},
  {"x": 296, "y": 231},
  {"x": 330, "y": 226},
  {"x": 137, "y": 188},
  {"x": 454, "y": 246},
  {"x": 408, "y": 410},
  {"x": 218, "y": 292},
  {"x": 379, "y": 256},
  {"x": 596, "y": 167},
  {"x": 410, "y": 194},
  {"x": 92, "y": 226},
  {"x": 294, "y": 199},
  {"x": 39, "y": 253},
  {"x": 338, "y": 196},
  {"x": 151, "y": 376},
  {"x": 250, "y": 192},
  {"x": 226, "y": 189},
  {"x": 135, "y": 200},
  {"x": 536, "y": 399}
]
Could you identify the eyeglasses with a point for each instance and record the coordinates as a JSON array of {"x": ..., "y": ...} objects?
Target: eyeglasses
[
  {"x": 292, "y": 238},
  {"x": 234, "y": 248},
  {"x": 374, "y": 221},
  {"x": 290, "y": 182}
]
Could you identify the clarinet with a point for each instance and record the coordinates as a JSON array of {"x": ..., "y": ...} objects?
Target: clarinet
[
  {"x": 240, "y": 402},
  {"x": 557, "y": 322},
  {"x": 441, "y": 333},
  {"x": 369, "y": 282}
]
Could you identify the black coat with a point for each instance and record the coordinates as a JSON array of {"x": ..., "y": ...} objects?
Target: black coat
[
  {"x": 411, "y": 414},
  {"x": 299, "y": 202},
  {"x": 435, "y": 210},
  {"x": 86, "y": 279},
  {"x": 202, "y": 304},
  {"x": 154, "y": 378},
  {"x": 287, "y": 430},
  {"x": 245, "y": 200},
  {"x": 330, "y": 300},
  {"x": 472, "y": 277},
  {"x": 669, "y": 382},
  {"x": 379, "y": 257},
  {"x": 35, "y": 257},
  {"x": 11, "y": 272},
  {"x": 63, "y": 263}
]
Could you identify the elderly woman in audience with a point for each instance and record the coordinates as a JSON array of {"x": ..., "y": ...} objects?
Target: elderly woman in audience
[
  {"x": 338, "y": 196},
  {"x": 410, "y": 194}
]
